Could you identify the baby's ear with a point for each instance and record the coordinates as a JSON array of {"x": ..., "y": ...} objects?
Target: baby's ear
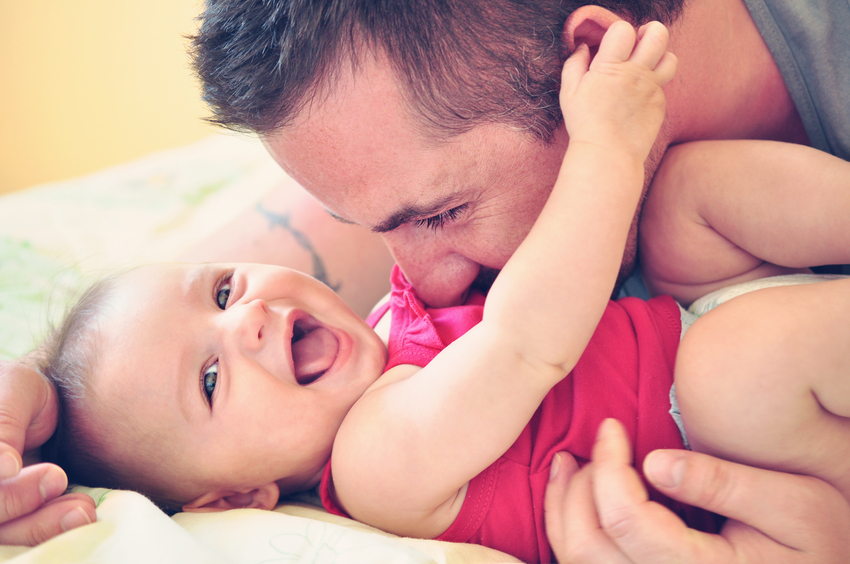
[{"x": 264, "y": 497}]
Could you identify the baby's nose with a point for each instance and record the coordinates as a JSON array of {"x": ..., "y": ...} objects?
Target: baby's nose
[{"x": 249, "y": 321}]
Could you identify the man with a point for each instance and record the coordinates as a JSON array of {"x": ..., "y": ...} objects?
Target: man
[{"x": 436, "y": 124}]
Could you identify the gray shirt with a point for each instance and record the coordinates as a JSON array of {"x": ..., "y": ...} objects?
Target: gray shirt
[{"x": 810, "y": 42}]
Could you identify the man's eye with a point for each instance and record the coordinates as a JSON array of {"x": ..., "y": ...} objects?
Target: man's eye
[
  {"x": 222, "y": 292},
  {"x": 436, "y": 222},
  {"x": 208, "y": 381}
]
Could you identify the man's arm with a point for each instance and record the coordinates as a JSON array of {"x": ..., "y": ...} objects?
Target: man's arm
[
  {"x": 601, "y": 514},
  {"x": 32, "y": 507},
  {"x": 723, "y": 212},
  {"x": 289, "y": 227}
]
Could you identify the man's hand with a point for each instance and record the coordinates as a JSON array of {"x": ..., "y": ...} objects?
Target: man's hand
[
  {"x": 32, "y": 507},
  {"x": 602, "y": 514}
]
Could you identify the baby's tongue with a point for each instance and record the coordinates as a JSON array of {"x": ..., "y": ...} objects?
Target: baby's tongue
[{"x": 313, "y": 354}]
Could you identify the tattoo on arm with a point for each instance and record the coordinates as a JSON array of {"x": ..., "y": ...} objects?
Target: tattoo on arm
[{"x": 283, "y": 220}]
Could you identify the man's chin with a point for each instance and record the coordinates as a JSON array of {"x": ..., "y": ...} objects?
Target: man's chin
[{"x": 486, "y": 277}]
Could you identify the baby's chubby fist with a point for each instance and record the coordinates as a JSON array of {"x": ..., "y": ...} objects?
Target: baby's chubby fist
[{"x": 615, "y": 98}]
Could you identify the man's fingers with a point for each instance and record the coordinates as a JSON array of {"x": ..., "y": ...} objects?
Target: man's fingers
[
  {"x": 764, "y": 499},
  {"x": 14, "y": 382},
  {"x": 10, "y": 462},
  {"x": 582, "y": 538},
  {"x": 28, "y": 407},
  {"x": 643, "y": 530},
  {"x": 59, "y": 515},
  {"x": 30, "y": 489},
  {"x": 562, "y": 470},
  {"x": 622, "y": 487},
  {"x": 33, "y": 509},
  {"x": 553, "y": 503}
]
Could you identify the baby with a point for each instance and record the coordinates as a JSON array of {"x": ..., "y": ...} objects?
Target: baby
[{"x": 220, "y": 386}]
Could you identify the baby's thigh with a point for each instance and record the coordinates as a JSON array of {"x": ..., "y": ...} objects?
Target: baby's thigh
[{"x": 764, "y": 379}]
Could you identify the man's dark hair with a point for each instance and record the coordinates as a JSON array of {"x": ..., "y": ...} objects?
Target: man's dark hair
[{"x": 460, "y": 63}]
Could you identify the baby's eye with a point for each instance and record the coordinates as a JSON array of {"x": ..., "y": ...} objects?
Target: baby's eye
[
  {"x": 208, "y": 381},
  {"x": 222, "y": 292}
]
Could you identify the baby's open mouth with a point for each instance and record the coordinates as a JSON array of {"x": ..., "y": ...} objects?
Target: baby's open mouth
[{"x": 314, "y": 349}]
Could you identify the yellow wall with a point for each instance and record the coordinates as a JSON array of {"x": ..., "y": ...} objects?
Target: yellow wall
[{"x": 89, "y": 83}]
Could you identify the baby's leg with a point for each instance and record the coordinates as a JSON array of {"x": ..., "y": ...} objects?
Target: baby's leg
[
  {"x": 764, "y": 379},
  {"x": 724, "y": 212}
]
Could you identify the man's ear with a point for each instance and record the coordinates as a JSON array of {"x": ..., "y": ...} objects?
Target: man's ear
[
  {"x": 264, "y": 497},
  {"x": 587, "y": 24}
]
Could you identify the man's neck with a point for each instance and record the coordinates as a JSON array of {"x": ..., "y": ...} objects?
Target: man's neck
[{"x": 727, "y": 85}]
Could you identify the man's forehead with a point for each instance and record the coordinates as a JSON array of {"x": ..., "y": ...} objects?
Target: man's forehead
[
  {"x": 356, "y": 109},
  {"x": 360, "y": 152},
  {"x": 368, "y": 179}
]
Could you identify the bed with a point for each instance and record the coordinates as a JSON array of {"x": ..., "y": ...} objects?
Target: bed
[{"x": 55, "y": 239}]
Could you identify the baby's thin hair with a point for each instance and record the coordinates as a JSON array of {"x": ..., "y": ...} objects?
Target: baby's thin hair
[{"x": 68, "y": 359}]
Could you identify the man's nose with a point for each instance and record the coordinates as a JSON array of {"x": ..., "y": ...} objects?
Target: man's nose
[
  {"x": 247, "y": 324},
  {"x": 439, "y": 273}
]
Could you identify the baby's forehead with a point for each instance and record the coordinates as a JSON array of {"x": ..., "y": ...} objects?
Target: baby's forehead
[
  {"x": 138, "y": 325},
  {"x": 158, "y": 274},
  {"x": 178, "y": 279},
  {"x": 135, "y": 295},
  {"x": 148, "y": 291},
  {"x": 130, "y": 287}
]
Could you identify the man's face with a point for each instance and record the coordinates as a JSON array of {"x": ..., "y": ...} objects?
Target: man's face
[{"x": 451, "y": 212}]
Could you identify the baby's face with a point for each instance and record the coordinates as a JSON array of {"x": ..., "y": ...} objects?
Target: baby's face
[{"x": 235, "y": 375}]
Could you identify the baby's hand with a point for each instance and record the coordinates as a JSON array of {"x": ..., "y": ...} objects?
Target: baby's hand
[{"x": 616, "y": 100}]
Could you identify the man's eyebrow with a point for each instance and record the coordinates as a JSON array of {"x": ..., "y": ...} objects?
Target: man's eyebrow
[{"x": 412, "y": 212}]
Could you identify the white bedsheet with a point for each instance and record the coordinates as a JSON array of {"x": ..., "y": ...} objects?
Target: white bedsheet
[{"x": 130, "y": 529}]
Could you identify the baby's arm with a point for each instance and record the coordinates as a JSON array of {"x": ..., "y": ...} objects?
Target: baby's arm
[
  {"x": 408, "y": 448},
  {"x": 723, "y": 212}
]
